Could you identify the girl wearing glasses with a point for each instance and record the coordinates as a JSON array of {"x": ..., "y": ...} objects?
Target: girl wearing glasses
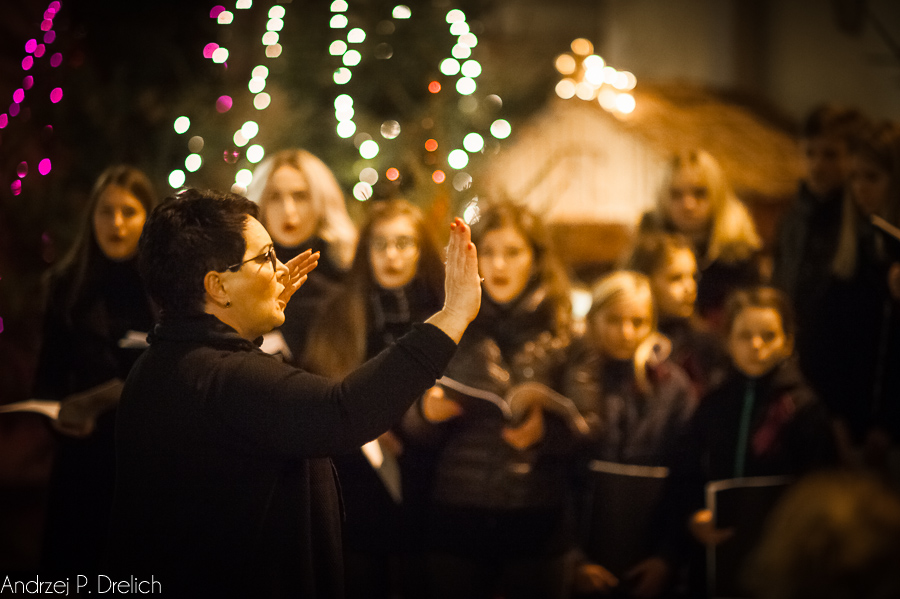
[
  {"x": 395, "y": 280},
  {"x": 96, "y": 321},
  {"x": 302, "y": 207}
]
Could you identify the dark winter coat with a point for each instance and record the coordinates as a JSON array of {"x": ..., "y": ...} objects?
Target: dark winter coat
[{"x": 224, "y": 486}]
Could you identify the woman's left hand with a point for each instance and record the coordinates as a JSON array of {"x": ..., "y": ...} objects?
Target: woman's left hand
[
  {"x": 528, "y": 433},
  {"x": 298, "y": 269}
]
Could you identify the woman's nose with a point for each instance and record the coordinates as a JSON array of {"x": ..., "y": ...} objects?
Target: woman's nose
[{"x": 118, "y": 219}]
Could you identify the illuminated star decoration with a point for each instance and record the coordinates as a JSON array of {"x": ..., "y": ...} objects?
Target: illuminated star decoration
[
  {"x": 261, "y": 100},
  {"x": 34, "y": 52},
  {"x": 587, "y": 76},
  {"x": 458, "y": 64}
]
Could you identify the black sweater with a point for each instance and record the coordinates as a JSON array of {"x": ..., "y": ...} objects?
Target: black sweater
[{"x": 223, "y": 487}]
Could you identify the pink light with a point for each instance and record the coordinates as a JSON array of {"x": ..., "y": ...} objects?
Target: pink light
[
  {"x": 16, "y": 187},
  {"x": 27, "y": 82},
  {"x": 22, "y": 169},
  {"x": 19, "y": 96},
  {"x": 49, "y": 37},
  {"x": 223, "y": 104},
  {"x": 14, "y": 109},
  {"x": 54, "y": 6},
  {"x": 231, "y": 156},
  {"x": 46, "y": 25},
  {"x": 44, "y": 166},
  {"x": 209, "y": 48},
  {"x": 39, "y": 51},
  {"x": 214, "y": 13},
  {"x": 30, "y": 45},
  {"x": 56, "y": 60},
  {"x": 4, "y": 121},
  {"x": 27, "y": 63},
  {"x": 56, "y": 95},
  {"x": 49, "y": 14}
]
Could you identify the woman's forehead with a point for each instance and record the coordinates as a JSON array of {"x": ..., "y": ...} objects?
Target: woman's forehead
[{"x": 255, "y": 235}]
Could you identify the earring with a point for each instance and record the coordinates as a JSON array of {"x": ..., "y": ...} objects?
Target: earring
[{"x": 228, "y": 304}]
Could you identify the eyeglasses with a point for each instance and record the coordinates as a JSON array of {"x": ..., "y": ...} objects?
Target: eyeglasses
[
  {"x": 269, "y": 255},
  {"x": 404, "y": 243}
]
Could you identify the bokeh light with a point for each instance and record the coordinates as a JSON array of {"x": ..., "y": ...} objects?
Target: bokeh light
[
  {"x": 255, "y": 153},
  {"x": 462, "y": 181},
  {"x": 22, "y": 169},
  {"x": 469, "y": 40},
  {"x": 625, "y": 103},
  {"x": 30, "y": 45},
  {"x": 262, "y": 101},
  {"x": 56, "y": 60},
  {"x": 356, "y": 36},
  {"x": 215, "y": 11},
  {"x": 450, "y": 67},
  {"x": 270, "y": 38},
  {"x": 256, "y": 85},
  {"x": 19, "y": 96},
  {"x": 368, "y": 175},
  {"x": 431, "y": 145},
  {"x": 582, "y": 47},
  {"x": 346, "y": 129},
  {"x": 223, "y": 103},
  {"x": 343, "y": 101},
  {"x": 434, "y": 87},
  {"x": 458, "y": 159},
  {"x": 28, "y": 82},
  {"x": 44, "y": 166},
  {"x": 565, "y": 64},
  {"x": 344, "y": 113},
  {"x": 276, "y": 12},
  {"x": 392, "y": 174},
  {"x": 473, "y": 142},
  {"x": 607, "y": 99},
  {"x": 352, "y": 58},
  {"x": 193, "y": 162},
  {"x": 465, "y": 86},
  {"x": 368, "y": 149},
  {"x": 195, "y": 144},
  {"x": 338, "y": 22},
  {"x": 585, "y": 90},
  {"x": 231, "y": 156},
  {"x": 220, "y": 55},
  {"x": 390, "y": 129},
  {"x": 459, "y": 28},
  {"x": 4, "y": 121},
  {"x": 339, "y": 6},
  {"x": 39, "y": 51},
  {"x": 27, "y": 63},
  {"x": 471, "y": 68},
  {"x": 565, "y": 89},
  {"x": 225, "y": 18},
  {"x": 243, "y": 4},
  {"x": 16, "y": 187},
  {"x": 461, "y": 51},
  {"x": 209, "y": 48},
  {"x": 438, "y": 176},
  {"x": 362, "y": 191},
  {"x": 274, "y": 25},
  {"x": 239, "y": 139},
  {"x": 593, "y": 62},
  {"x": 261, "y": 71},
  {"x": 337, "y": 48},
  {"x": 383, "y": 51},
  {"x": 273, "y": 51},
  {"x": 56, "y": 94},
  {"x": 401, "y": 11},
  {"x": 182, "y": 124},
  {"x": 243, "y": 177},
  {"x": 176, "y": 178},
  {"x": 250, "y": 129},
  {"x": 501, "y": 129},
  {"x": 342, "y": 75},
  {"x": 456, "y": 16}
]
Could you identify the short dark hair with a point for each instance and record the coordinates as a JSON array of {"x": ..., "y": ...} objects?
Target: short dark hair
[
  {"x": 188, "y": 235},
  {"x": 834, "y": 120},
  {"x": 760, "y": 297},
  {"x": 652, "y": 251}
]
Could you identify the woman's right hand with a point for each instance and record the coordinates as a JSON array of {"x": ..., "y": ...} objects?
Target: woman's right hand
[
  {"x": 704, "y": 530},
  {"x": 462, "y": 284}
]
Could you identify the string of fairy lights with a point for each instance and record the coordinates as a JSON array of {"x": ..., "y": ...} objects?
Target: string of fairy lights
[
  {"x": 458, "y": 63},
  {"x": 587, "y": 77},
  {"x": 35, "y": 52}
]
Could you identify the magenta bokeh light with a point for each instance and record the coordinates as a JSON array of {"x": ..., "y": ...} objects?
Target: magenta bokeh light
[
  {"x": 56, "y": 95},
  {"x": 14, "y": 109},
  {"x": 46, "y": 25},
  {"x": 49, "y": 37},
  {"x": 56, "y": 60},
  {"x": 19, "y": 96},
  {"x": 54, "y": 6},
  {"x": 16, "y": 187},
  {"x": 27, "y": 82},
  {"x": 224, "y": 103},
  {"x": 30, "y": 45},
  {"x": 22, "y": 169},
  {"x": 39, "y": 51},
  {"x": 44, "y": 166},
  {"x": 216, "y": 10},
  {"x": 27, "y": 63},
  {"x": 4, "y": 121},
  {"x": 209, "y": 48}
]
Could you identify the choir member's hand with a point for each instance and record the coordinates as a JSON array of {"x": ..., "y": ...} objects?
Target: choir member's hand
[
  {"x": 702, "y": 528},
  {"x": 462, "y": 285},
  {"x": 298, "y": 268},
  {"x": 594, "y": 578},
  {"x": 528, "y": 433},
  {"x": 437, "y": 408},
  {"x": 650, "y": 577}
]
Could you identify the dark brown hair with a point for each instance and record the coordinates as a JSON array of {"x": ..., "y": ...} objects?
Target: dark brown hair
[{"x": 760, "y": 297}]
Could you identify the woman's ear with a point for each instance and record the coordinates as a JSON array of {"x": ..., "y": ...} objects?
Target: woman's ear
[{"x": 215, "y": 288}]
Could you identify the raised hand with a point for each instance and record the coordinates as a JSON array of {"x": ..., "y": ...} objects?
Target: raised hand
[
  {"x": 462, "y": 284},
  {"x": 298, "y": 269}
]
